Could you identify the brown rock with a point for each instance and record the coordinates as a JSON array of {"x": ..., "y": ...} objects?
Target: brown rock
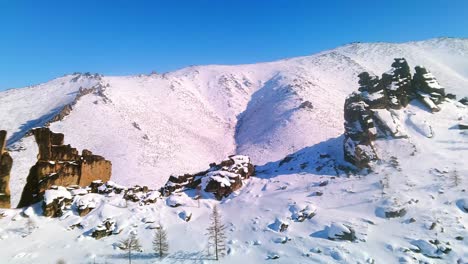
[
  {"x": 61, "y": 165},
  {"x": 6, "y": 162}
]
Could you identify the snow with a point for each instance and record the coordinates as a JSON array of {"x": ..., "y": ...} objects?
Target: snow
[
  {"x": 214, "y": 111},
  {"x": 59, "y": 193},
  {"x": 336, "y": 230}
]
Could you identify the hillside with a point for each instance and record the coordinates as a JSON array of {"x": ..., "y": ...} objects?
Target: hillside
[
  {"x": 152, "y": 126},
  {"x": 304, "y": 204}
]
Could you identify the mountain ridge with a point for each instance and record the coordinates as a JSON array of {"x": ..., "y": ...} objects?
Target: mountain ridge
[{"x": 181, "y": 121}]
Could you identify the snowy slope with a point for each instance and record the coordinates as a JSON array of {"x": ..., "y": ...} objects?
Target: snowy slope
[
  {"x": 418, "y": 174},
  {"x": 153, "y": 126}
]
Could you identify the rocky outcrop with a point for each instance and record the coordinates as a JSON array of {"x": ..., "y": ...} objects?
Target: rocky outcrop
[
  {"x": 221, "y": 179},
  {"x": 56, "y": 200},
  {"x": 61, "y": 165},
  {"x": 427, "y": 89},
  {"x": 397, "y": 84},
  {"x": 105, "y": 229},
  {"x": 6, "y": 162},
  {"x": 371, "y": 112},
  {"x": 359, "y": 131}
]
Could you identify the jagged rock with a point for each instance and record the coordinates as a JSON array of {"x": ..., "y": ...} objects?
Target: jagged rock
[
  {"x": 221, "y": 179},
  {"x": 359, "y": 131},
  {"x": 372, "y": 112},
  {"x": 462, "y": 126},
  {"x": 372, "y": 93},
  {"x": 106, "y": 228},
  {"x": 6, "y": 163},
  {"x": 464, "y": 100},
  {"x": 427, "y": 89},
  {"x": 397, "y": 84},
  {"x": 61, "y": 165},
  {"x": 55, "y": 202},
  {"x": 338, "y": 231},
  {"x": 221, "y": 183}
]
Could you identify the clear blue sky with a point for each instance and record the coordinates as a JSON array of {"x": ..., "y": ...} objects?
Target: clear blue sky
[{"x": 41, "y": 40}]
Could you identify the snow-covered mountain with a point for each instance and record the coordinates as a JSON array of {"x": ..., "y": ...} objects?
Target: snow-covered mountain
[
  {"x": 152, "y": 126},
  {"x": 288, "y": 117}
]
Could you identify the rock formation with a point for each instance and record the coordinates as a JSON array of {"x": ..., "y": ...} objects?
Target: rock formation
[
  {"x": 6, "y": 163},
  {"x": 370, "y": 113},
  {"x": 427, "y": 89},
  {"x": 221, "y": 179},
  {"x": 61, "y": 165}
]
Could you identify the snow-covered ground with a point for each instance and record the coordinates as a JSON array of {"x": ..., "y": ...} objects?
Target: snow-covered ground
[{"x": 153, "y": 126}]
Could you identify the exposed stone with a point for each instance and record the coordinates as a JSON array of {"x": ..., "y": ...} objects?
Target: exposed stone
[
  {"x": 371, "y": 112},
  {"x": 61, "y": 165},
  {"x": 106, "y": 228},
  {"x": 6, "y": 162},
  {"x": 221, "y": 179},
  {"x": 338, "y": 231},
  {"x": 359, "y": 132},
  {"x": 396, "y": 213},
  {"x": 372, "y": 93},
  {"x": 464, "y": 100},
  {"x": 427, "y": 89},
  {"x": 56, "y": 201},
  {"x": 306, "y": 105},
  {"x": 397, "y": 84}
]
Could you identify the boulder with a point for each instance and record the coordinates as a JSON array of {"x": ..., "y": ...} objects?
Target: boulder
[
  {"x": 221, "y": 179},
  {"x": 464, "y": 100},
  {"x": 338, "y": 231},
  {"x": 105, "y": 229},
  {"x": 221, "y": 183},
  {"x": 56, "y": 201}
]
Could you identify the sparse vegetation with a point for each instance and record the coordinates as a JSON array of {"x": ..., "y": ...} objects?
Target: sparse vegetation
[
  {"x": 130, "y": 245},
  {"x": 160, "y": 243},
  {"x": 216, "y": 236}
]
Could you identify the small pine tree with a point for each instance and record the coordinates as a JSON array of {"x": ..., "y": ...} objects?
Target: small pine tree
[
  {"x": 130, "y": 244},
  {"x": 160, "y": 244},
  {"x": 216, "y": 236}
]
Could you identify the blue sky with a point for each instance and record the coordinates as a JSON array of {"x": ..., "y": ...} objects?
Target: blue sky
[{"x": 41, "y": 40}]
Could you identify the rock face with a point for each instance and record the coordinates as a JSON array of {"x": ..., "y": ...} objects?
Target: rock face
[
  {"x": 221, "y": 179},
  {"x": 427, "y": 89},
  {"x": 371, "y": 112},
  {"x": 61, "y": 165},
  {"x": 6, "y": 162}
]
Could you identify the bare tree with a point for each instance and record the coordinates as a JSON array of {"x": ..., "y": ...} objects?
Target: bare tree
[
  {"x": 455, "y": 178},
  {"x": 160, "y": 244},
  {"x": 216, "y": 236},
  {"x": 130, "y": 244}
]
